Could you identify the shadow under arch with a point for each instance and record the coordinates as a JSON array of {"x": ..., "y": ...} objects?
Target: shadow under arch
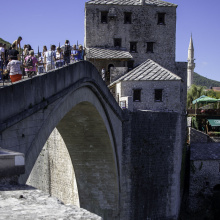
[
  {"x": 89, "y": 147},
  {"x": 86, "y": 129}
]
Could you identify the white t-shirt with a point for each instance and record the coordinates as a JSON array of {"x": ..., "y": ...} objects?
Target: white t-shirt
[
  {"x": 2, "y": 50},
  {"x": 58, "y": 57},
  {"x": 49, "y": 55},
  {"x": 14, "y": 66}
]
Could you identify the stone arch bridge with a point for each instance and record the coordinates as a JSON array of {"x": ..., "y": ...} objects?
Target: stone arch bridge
[{"x": 111, "y": 162}]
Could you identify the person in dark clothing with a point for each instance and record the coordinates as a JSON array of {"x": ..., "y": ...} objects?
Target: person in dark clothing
[
  {"x": 6, "y": 54},
  {"x": 13, "y": 53},
  {"x": 66, "y": 52}
]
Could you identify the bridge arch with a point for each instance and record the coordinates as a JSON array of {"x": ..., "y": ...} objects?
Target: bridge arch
[{"x": 91, "y": 128}]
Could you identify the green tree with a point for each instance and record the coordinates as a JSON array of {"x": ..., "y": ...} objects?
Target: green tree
[{"x": 193, "y": 93}]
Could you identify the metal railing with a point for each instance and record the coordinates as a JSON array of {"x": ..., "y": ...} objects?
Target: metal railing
[
  {"x": 44, "y": 64},
  {"x": 203, "y": 111}
]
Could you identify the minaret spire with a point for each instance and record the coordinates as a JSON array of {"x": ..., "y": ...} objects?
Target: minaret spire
[{"x": 191, "y": 63}]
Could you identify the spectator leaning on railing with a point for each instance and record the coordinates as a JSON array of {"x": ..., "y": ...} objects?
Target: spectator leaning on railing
[
  {"x": 14, "y": 69},
  {"x": 49, "y": 58},
  {"x": 30, "y": 64}
]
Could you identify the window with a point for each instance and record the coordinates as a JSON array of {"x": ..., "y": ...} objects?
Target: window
[
  {"x": 127, "y": 17},
  {"x": 158, "y": 95},
  {"x": 133, "y": 47},
  {"x": 161, "y": 18},
  {"x": 150, "y": 47},
  {"x": 137, "y": 95},
  {"x": 104, "y": 17},
  {"x": 117, "y": 42},
  {"x": 130, "y": 65}
]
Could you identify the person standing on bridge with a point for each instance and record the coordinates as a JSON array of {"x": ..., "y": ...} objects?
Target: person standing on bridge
[
  {"x": 49, "y": 58},
  {"x": 59, "y": 58},
  {"x": 80, "y": 53},
  {"x": 14, "y": 69},
  {"x": 14, "y": 53},
  {"x": 30, "y": 64},
  {"x": 66, "y": 52},
  {"x": 2, "y": 59},
  {"x": 18, "y": 43}
]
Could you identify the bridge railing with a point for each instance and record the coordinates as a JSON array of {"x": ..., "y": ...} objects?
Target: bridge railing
[{"x": 44, "y": 64}]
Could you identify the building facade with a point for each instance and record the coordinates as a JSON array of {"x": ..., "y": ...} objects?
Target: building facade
[
  {"x": 139, "y": 89},
  {"x": 145, "y": 29}
]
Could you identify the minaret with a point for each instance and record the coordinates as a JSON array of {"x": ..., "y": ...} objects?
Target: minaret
[{"x": 191, "y": 64}]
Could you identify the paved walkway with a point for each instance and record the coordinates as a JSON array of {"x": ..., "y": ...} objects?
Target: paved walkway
[{"x": 28, "y": 203}]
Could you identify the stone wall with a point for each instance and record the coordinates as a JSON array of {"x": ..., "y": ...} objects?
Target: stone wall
[
  {"x": 117, "y": 72},
  {"x": 153, "y": 153},
  {"x": 198, "y": 136},
  {"x": 53, "y": 171},
  {"x": 204, "y": 175},
  {"x": 143, "y": 29},
  {"x": 171, "y": 97},
  {"x": 181, "y": 71}
]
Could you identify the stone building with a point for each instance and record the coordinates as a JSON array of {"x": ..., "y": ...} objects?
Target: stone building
[
  {"x": 204, "y": 185},
  {"x": 145, "y": 29},
  {"x": 121, "y": 35},
  {"x": 149, "y": 87}
]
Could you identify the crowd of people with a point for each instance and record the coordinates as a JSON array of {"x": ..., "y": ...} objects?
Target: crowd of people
[{"x": 16, "y": 62}]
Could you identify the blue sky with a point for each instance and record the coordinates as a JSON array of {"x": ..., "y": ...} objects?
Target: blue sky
[{"x": 47, "y": 22}]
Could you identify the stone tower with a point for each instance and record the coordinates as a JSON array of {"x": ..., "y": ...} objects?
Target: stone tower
[{"x": 191, "y": 64}]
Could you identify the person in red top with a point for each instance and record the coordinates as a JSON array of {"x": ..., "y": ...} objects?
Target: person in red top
[{"x": 30, "y": 64}]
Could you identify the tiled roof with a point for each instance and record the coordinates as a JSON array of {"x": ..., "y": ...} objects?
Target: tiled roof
[
  {"x": 149, "y": 70},
  {"x": 99, "y": 53},
  {"x": 130, "y": 2},
  {"x": 205, "y": 151}
]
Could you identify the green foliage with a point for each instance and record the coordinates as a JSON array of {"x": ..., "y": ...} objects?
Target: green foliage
[
  {"x": 5, "y": 42},
  {"x": 193, "y": 93},
  {"x": 203, "y": 81},
  {"x": 213, "y": 94},
  {"x": 195, "y": 123}
]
